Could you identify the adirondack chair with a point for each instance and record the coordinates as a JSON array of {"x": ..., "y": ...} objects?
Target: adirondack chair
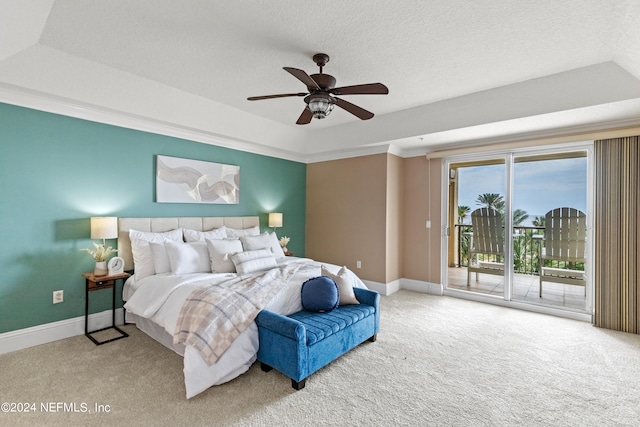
[
  {"x": 564, "y": 239},
  {"x": 487, "y": 238}
]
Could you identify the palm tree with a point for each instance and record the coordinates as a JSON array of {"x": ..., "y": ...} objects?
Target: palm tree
[
  {"x": 491, "y": 200},
  {"x": 495, "y": 201},
  {"x": 519, "y": 216},
  {"x": 538, "y": 221},
  {"x": 519, "y": 253},
  {"x": 463, "y": 212}
]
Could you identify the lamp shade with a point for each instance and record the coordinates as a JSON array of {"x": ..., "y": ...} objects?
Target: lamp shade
[
  {"x": 104, "y": 227},
  {"x": 275, "y": 219}
]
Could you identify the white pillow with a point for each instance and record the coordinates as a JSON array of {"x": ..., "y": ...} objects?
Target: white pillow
[
  {"x": 263, "y": 241},
  {"x": 142, "y": 257},
  {"x": 345, "y": 283},
  {"x": 236, "y": 233},
  {"x": 220, "y": 251},
  {"x": 186, "y": 258},
  {"x": 256, "y": 265},
  {"x": 200, "y": 236},
  {"x": 160, "y": 258},
  {"x": 251, "y": 261}
]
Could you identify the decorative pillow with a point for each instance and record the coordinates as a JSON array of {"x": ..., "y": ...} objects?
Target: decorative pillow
[
  {"x": 142, "y": 257},
  {"x": 256, "y": 265},
  {"x": 320, "y": 294},
  {"x": 263, "y": 241},
  {"x": 160, "y": 257},
  {"x": 220, "y": 251},
  {"x": 344, "y": 280},
  {"x": 236, "y": 233},
  {"x": 254, "y": 260},
  {"x": 186, "y": 258},
  {"x": 200, "y": 236}
]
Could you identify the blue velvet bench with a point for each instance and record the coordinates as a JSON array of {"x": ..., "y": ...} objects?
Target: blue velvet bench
[{"x": 301, "y": 343}]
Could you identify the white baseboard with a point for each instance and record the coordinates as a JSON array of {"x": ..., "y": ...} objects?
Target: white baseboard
[
  {"x": 42, "y": 334},
  {"x": 420, "y": 286},
  {"x": 387, "y": 289},
  {"x": 383, "y": 288}
]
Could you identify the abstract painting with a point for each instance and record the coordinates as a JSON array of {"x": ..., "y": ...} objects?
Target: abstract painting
[{"x": 195, "y": 181}]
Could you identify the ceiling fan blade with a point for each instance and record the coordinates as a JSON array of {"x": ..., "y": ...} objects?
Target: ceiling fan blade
[
  {"x": 303, "y": 77},
  {"x": 366, "y": 89},
  {"x": 354, "y": 109},
  {"x": 282, "y": 95},
  {"x": 305, "y": 117}
]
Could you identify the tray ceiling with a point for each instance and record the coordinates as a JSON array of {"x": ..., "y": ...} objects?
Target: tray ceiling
[{"x": 458, "y": 71}]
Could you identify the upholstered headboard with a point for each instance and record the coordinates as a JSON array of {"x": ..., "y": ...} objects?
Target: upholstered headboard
[{"x": 158, "y": 225}]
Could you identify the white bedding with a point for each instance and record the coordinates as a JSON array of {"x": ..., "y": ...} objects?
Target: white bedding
[{"x": 159, "y": 298}]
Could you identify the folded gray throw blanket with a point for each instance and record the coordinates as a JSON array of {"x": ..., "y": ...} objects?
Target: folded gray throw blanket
[{"x": 212, "y": 317}]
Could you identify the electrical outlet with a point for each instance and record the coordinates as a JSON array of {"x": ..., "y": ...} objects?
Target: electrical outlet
[
  {"x": 58, "y": 297},
  {"x": 428, "y": 224},
  {"x": 358, "y": 264}
]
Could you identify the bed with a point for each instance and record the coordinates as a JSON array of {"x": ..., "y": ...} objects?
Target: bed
[{"x": 161, "y": 287}]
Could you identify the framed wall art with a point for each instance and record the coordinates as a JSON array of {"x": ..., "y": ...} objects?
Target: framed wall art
[{"x": 196, "y": 181}]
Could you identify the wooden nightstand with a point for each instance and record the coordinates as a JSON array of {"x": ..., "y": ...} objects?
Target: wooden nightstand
[{"x": 96, "y": 283}]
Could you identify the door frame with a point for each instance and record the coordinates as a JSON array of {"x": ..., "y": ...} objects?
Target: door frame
[{"x": 509, "y": 155}]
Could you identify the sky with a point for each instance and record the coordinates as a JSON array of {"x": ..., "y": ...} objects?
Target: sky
[{"x": 539, "y": 186}]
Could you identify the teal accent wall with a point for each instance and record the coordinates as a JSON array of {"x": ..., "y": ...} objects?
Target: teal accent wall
[{"x": 57, "y": 171}]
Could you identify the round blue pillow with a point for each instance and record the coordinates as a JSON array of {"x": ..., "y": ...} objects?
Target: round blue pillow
[{"x": 320, "y": 294}]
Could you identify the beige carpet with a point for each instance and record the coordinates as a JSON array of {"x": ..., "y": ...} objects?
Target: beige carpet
[{"x": 437, "y": 361}]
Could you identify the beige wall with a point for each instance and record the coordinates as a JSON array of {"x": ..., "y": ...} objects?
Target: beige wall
[
  {"x": 373, "y": 209},
  {"x": 394, "y": 218},
  {"x": 422, "y": 189},
  {"x": 346, "y": 214}
]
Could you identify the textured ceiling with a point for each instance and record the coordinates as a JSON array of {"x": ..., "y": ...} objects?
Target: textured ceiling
[{"x": 457, "y": 71}]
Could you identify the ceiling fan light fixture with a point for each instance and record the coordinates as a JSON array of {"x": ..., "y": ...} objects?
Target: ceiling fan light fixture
[
  {"x": 320, "y": 105},
  {"x": 320, "y": 88}
]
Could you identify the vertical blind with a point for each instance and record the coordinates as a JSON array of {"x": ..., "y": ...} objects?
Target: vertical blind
[{"x": 617, "y": 234}]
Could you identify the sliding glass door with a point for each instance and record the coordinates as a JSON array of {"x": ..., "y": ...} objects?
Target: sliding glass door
[
  {"x": 548, "y": 191},
  {"x": 476, "y": 254},
  {"x": 518, "y": 228}
]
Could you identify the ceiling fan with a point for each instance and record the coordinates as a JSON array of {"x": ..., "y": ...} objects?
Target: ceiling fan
[{"x": 320, "y": 97}]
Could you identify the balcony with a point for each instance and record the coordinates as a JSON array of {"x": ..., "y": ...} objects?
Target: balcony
[{"x": 526, "y": 267}]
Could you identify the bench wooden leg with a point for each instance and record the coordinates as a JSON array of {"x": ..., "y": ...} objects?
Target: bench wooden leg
[
  {"x": 298, "y": 385},
  {"x": 265, "y": 367}
]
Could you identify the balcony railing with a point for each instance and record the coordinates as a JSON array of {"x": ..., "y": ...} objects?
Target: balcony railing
[{"x": 526, "y": 250}]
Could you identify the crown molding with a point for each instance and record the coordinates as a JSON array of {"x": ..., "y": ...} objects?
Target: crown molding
[
  {"x": 28, "y": 98},
  {"x": 22, "y": 97},
  {"x": 346, "y": 154},
  {"x": 565, "y": 135}
]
